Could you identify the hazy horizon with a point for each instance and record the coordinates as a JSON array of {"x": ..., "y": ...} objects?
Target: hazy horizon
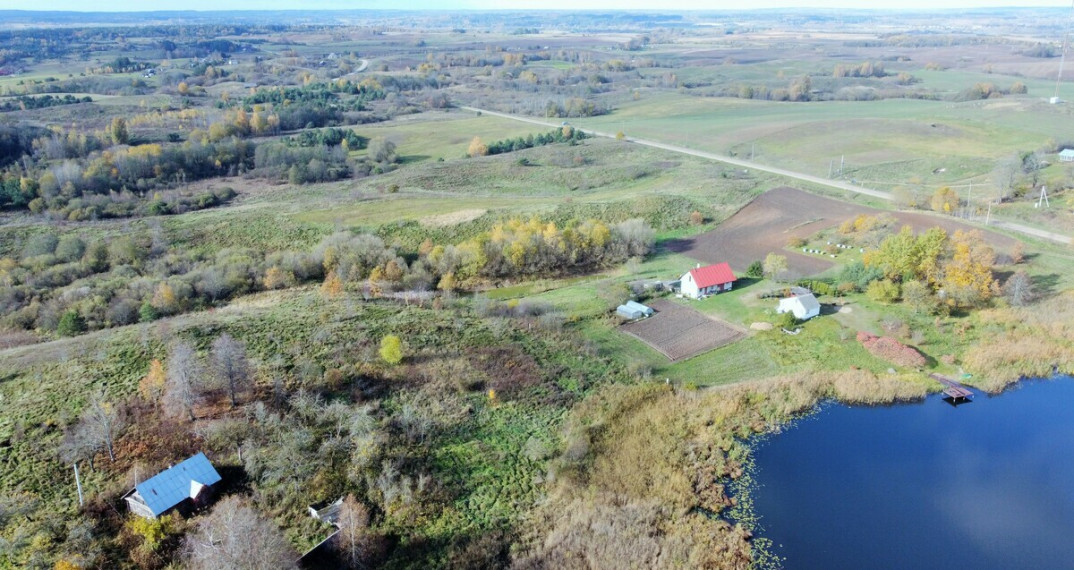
[{"x": 682, "y": 5}]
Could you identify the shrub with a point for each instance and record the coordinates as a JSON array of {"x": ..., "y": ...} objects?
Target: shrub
[
  {"x": 391, "y": 349},
  {"x": 755, "y": 270},
  {"x": 71, "y": 324},
  {"x": 883, "y": 291},
  {"x": 786, "y": 320}
]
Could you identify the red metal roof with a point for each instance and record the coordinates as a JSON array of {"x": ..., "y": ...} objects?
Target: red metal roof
[{"x": 712, "y": 275}]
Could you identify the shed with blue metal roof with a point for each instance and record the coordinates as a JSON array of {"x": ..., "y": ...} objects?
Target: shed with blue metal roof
[{"x": 190, "y": 482}]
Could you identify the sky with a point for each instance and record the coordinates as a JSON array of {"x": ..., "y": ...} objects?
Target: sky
[{"x": 144, "y": 5}]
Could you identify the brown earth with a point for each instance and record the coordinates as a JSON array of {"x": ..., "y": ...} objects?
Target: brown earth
[
  {"x": 765, "y": 225},
  {"x": 680, "y": 332}
]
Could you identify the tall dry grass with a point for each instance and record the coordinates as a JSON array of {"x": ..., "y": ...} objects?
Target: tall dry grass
[
  {"x": 644, "y": 467},
  {"x": 1023, "y": 342}
]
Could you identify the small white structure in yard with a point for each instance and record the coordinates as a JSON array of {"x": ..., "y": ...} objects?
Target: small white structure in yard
[
  {"x": 707, "y": 280},
  {"x": 1066, "y": 155},
  {"x": 645, "y": 309},
  {"x": 633, "y": 310},
  {"x": 801, "y": 302}
]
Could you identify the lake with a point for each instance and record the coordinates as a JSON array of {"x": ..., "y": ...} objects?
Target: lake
[{"x": 989, "y": 484}]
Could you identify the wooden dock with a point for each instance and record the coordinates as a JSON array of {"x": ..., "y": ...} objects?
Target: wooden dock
[{"x": 953, "y": 389}]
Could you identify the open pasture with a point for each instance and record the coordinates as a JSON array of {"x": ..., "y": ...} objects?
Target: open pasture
[
  {"x": 930, "y": 143},
  {"x": 680, "y": 332}
]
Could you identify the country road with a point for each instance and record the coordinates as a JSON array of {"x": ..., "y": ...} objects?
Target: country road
[{"x": 1010, "y": 226}]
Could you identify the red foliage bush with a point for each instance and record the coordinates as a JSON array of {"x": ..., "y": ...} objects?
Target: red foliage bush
[{"x": 891, "y": 350}]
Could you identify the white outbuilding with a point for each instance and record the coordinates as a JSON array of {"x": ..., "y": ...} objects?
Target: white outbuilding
[{"x": 801, "y": 303}]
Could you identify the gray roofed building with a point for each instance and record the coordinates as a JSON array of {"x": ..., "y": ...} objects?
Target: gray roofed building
[
  {"x": 190, "y": 480},
  {"x": 801, "y": 302}
]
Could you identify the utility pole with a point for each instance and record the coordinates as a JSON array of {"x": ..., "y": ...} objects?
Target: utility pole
[
  {"x": 78, "y": 483},
  {"x": 842, "y": 159},
  {"x": 988, "y": 216},
  {"x": 969, "y": 201},
  {"x": 1043, "y": 197}
]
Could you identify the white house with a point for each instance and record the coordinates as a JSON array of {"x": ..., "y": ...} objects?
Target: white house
[
  {"x": 801, "y": 302},
  {"x": 1066, "y": 155},
  {"x": 707, "y": 280}
]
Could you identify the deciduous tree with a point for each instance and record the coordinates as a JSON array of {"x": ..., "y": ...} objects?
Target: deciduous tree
[
  {"x": 883, "y": 291},
  {"x": 183, "y": 382},
  {"x": 1019, "y": 289},
  {"x": 151, "y": 387},
  {"x": 353, "y": 540},
  {"x": 231, "y": 366},
  {"x": 99, "y": 425},
  {"x": 968, "y": 279},
  {"x": 775, "y": 266},
  {"x": 945, "y": 200},
  {"x": 118, "y": 131},
  {"x": 477, "y": 148},
  {"x": 236, "y": 537}
]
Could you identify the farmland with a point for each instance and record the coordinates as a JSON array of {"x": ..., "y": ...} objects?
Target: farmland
[
  {"x": 421, "y": 297},
  {"x": 766, "y": 225},
  {"x": 679, "y": 332}
]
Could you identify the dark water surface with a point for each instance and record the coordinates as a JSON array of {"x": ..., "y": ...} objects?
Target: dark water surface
[{"x": 988, "y": 484}]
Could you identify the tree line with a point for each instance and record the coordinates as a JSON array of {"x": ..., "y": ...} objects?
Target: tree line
[
  {"x": 69, "y": 284},
  {"x": 24, "y": 102},
  {"x": 566, "y": 134}
]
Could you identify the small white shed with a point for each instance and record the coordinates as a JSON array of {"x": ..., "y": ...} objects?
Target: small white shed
[
  {"x": 1066, "y": 155},
  {"x": 801, "y": 303}
]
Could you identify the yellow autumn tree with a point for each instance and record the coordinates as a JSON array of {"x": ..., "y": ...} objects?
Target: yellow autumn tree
[
  {"x": 944, "y": 200},
  {"x": 376, "y": 277},
  {"x": 447, "y": 283},
  {"x": 151, "y": 387},
  {"x": 477, "y": 148},
  {"x": 331, "y": 259},
  {"x": 164, "y": 298},
  {"x": 968, "y": 279},
  {"x": 332, "y": 286},
  {"x": 276, "y": 278}
]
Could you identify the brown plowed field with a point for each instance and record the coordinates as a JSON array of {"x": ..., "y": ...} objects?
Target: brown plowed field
[
  {"x": 765, "y": 225},
  {"x": 680, "y": 332}
]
